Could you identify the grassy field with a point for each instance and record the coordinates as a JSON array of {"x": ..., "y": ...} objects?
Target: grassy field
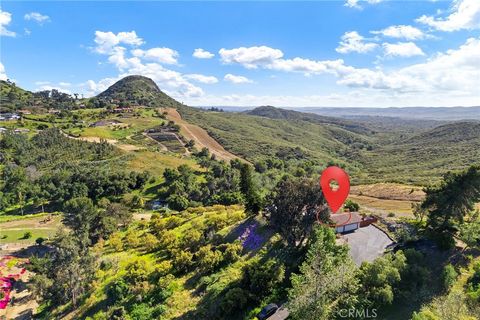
[
  {"x": 14, "y": 231},
  {"x": 389, "y": 191},
  {"x": 155, "y": 162},
  {"x": 383, "y": 206}
]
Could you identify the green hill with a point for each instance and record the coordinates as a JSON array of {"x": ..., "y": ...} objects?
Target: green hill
[
  {"x": 277, "y": 113},
  {"x": 137, "y": 90},
  {"x": 373, "y": 151},
  {"x": 13, "y": 97},
  {"x": 289, "y": 137},
  {"x": 424, "y": 157}
]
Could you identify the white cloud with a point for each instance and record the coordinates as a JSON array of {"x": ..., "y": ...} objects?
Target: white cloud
[
  {"x": 401, "y": 31},
  {"x": 41, "y": 83},
  {"x": 356, "y": 3},
  {"x": 236, "y": 79},
  {"x": 305, "y": 66},
  {"x": 3, "y": 74},
  {"x": 117, "y": 57},
  {"x": 161, "y": 55},
  {"x": 47, "y": 85},
  {"x": 38, "y": 17},
  {"x": 106, "y": 41},
  {"x": 465, "y": 14},
  {"x": 402, "y": 49},
  {"x": 352, "y": 4},
  {"x": 270, "y": 58},
  {"x": 53, "y": 87},
  {"x": 433, "y": 78},
  {"x": 5, "y": 19},
  {"x": 202, "y": 78},
  {"x": 250, "y": 57},
  {"x": 94, "y": 88},
  {"x": 202, "y": 54},
  {"x": 146, "y": 62},
  {"x": 353, "y": 42}
]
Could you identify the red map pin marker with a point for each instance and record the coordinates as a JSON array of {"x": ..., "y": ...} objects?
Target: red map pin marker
[{"x": 335, "y": 198}]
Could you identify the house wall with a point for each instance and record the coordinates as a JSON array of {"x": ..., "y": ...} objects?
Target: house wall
[{"x": 347, "y": 227}]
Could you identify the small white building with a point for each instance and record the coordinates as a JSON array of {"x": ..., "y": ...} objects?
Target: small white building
[{"x": 346, "y": 221}]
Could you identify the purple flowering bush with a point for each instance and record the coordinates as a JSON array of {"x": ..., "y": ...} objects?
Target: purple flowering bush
[{"x": 250, "y": 239}]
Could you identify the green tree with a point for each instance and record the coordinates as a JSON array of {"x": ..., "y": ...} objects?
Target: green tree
[
  {"x": 260, "y": 277},
  {"x": 79, "y": 215},
  {"x": 253, "y": 202},
  {"x": 294, "y": 206},
  {"x": 326, "y": 282},
  {"x": 449, "y": 203},
  {"x": 449, "y": 276},
  {"x": 208, "y": 259},
  {"x": 177, "y": 202},
  {"x": 470, "y": 231},
  {"x": 71, "y": 270},
  {"x": 379, "y": 278}
]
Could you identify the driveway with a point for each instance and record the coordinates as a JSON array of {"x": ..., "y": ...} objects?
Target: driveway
[{"x": 367, "y": 243}]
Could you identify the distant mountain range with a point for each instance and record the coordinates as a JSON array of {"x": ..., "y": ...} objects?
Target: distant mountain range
[{"x": 423, "y": 113}]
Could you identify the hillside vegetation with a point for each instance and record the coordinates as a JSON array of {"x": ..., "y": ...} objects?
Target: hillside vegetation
[
  {"x": 137, "y": 90},
  {"x": 134, "y": 217},
  {"x": 405, "y": 153}
]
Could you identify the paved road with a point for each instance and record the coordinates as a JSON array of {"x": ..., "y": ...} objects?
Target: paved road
[{"x": 367, "y": 243}]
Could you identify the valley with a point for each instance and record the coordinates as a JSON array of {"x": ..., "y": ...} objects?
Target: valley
[{"x": 156, "y": 210}]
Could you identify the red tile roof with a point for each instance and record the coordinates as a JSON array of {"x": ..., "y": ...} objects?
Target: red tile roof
[{"x": 341, "y": 219}]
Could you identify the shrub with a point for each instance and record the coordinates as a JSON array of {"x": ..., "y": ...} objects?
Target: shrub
[
  {"x": 177, "y": 202},
  {"x": 182, "y": 260},
  {"x": 235, "y": 299},
  {"x": 27, "y": 235},
  {"x": 173, "y": 222},
  {"x": 391, "y": 214},
  {"x": 351, "y": 206},
  {"x": 208, "y": 259},
  {"x": 168, "y": 240},
  {"x": 192, "y": 239},
  {"x": 448, "y": 277},
  {"x": 157, "y": 224},
  {"x": 116, "y": 242},
  {"x": 232, "y": 252},
  {"x": 132, "y": 239},
  {"x": 150, "y": 242},
  {"x": 118, "y": 290},
  {"x": 141, "y": 311},
  {"x": 261, "y": 277},
  {"x": 139, "y": 270}
]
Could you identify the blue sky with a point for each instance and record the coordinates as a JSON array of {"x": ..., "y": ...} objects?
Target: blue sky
[{"x": 327, "y": 53}]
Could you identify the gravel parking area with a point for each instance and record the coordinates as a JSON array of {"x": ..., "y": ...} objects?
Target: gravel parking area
[{"x": 367, "y": 243}]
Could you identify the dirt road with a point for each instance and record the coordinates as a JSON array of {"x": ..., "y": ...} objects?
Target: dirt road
[{"x": 200, "y": 136}]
